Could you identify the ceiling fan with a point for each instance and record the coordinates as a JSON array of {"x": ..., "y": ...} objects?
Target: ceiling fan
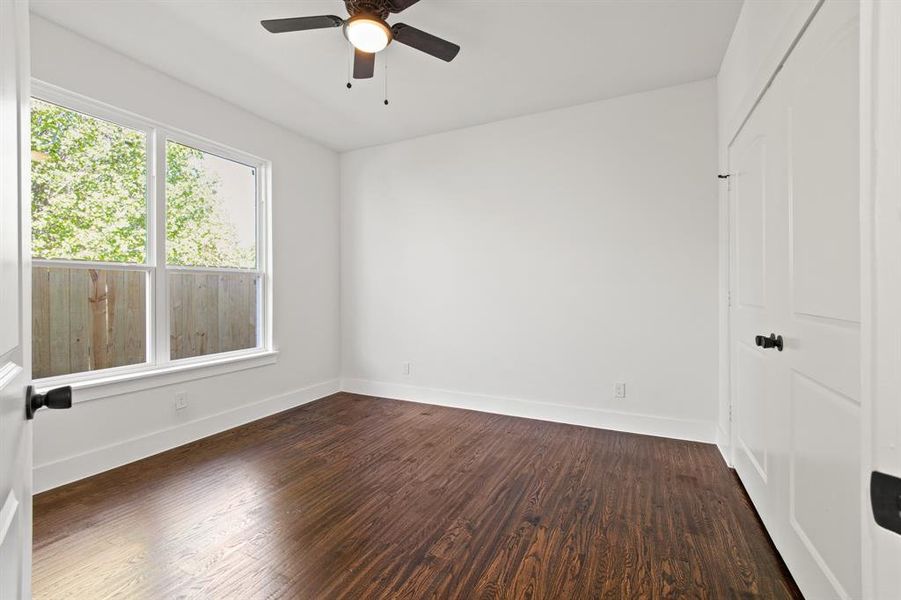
[{"x": 368, "y": 32}]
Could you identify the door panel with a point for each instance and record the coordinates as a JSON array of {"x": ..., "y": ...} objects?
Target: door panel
[
  {"x": 751, "y": 426},
  {"x": 824, "y": 474},
  {"x": 823, "y": 137},
  {"x": 750, "y": 240}
]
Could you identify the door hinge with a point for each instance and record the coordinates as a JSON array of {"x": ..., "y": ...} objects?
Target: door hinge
[{"x": 885, "y": 495}]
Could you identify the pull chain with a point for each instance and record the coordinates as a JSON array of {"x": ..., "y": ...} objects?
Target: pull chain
[
  {"x": 386, "y": 80},
  {"x": 349, "y": 84}
]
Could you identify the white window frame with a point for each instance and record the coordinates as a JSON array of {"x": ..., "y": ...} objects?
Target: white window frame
[{"x": 159, "y": 369}]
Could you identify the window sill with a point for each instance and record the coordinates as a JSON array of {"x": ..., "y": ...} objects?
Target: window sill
[{"x": 84, "y": 390}]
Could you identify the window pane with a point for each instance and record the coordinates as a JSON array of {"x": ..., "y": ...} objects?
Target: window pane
[
  {"x": 87, "y": 319},
  {"x": 210, "y": 210},
  {"x": 88, "y": 185},
  {"x": 211, "y": 312}
]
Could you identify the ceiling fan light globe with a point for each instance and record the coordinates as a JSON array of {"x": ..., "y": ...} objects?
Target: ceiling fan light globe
[{"x": 367, "y": 34}]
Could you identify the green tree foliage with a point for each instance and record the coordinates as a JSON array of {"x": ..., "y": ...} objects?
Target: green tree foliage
[
  {"x": 89, "y": 196},
  {"x": 197, "y": 229},
  {"x": 87, "y": 187}
]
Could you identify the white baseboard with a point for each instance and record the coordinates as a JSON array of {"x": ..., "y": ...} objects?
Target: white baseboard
[
  {"x": 724, "y": 445},
  {"x": 682, "y": 429},
  {"x": 60, "y": 472},
  {"x": 73, "y": 468}
]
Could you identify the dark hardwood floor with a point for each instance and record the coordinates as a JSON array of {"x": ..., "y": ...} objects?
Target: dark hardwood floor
[{"x": 356, "y": 497}]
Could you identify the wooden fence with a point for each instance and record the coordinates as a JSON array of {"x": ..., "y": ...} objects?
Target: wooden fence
[
  {"x": 211, "y": 312},
  {"x": 89, "y": 319}
]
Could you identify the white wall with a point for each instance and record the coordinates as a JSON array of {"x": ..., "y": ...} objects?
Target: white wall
[
  {"x": 526, "y": 266},
  {"x": 762, "y": 37},
  {"x": 102, "y": 433}
]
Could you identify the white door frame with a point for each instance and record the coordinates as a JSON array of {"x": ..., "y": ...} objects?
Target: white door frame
[{"x": 880, "y": 211}]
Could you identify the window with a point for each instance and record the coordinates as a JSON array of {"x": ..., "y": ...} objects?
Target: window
[
  {"x": 211, "y": 225},
  {"x": 133, "y": 272}
]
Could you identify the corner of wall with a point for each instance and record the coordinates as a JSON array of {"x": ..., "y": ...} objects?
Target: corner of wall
[
  {"x": 680, "y": 429},
  {"x": 97, "y": 460}
]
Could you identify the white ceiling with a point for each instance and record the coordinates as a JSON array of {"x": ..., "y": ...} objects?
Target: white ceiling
[{"x": 518, "y": 57}]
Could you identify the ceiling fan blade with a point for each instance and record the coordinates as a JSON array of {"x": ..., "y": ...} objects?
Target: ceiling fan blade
[
  {"x": 302, "y": 23},
  {"x": 397, "y": 6},
  {"x": 425, "y": 42},
  {"x": 364, "y": 64}
]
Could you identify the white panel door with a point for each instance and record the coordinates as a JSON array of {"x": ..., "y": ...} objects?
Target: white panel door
[
  {"x": 15, "y": 433},
  {"x": 823, "y": 323},
  {"x": 756, "y": 181},
  {"x": 803, "y": 403}
]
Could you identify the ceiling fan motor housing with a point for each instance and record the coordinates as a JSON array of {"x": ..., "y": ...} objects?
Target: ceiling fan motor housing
[{"x": 376, "y": 8}]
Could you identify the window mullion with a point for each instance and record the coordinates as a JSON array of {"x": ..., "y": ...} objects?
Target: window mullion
[
  {"x": 264, "y": 259},
  {"x": 161, "y": 282},
  {"x": 149, "y": 245}
]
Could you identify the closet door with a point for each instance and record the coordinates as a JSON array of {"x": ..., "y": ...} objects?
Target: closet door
[
  {"x": 757, "y": 183},
  {"x": 796, "y": 412},
  {"x": 822, "y": 324}
]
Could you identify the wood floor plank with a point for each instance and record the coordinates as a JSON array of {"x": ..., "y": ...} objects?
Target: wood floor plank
[{"x": 358, "y": 497}]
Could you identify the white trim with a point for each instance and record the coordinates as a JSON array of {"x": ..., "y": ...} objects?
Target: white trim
[
  {"x": 8, "y": 372},
  {"x": 195, "y": 269},
  {"x": 7, "y": 514},
  {"x": 101, "y": 384},
  {"x": 60, "y": 472},
  {"x": 158, "y": 296},
  {"x": 681, "y": 429},
  {"x": 90, "y": 107},
  {"x": 869, "y": 75},
  {"x": 880, "y": 112},
  {"x": 266, "y": 329},
  {"x": 207, "y": 146},
  {"x": 23, "y": 501}
]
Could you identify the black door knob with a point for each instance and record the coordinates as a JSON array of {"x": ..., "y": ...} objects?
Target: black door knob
[
  {"x": 770, "y": 341},
  {"x": 60, "y": 397}
]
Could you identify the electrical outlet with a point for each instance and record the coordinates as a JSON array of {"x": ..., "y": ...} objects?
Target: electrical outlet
[
  {"x": 181, "y": 400},
  {"x": 620, "y": 390},
  {"x": 407, "y": 369}
]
